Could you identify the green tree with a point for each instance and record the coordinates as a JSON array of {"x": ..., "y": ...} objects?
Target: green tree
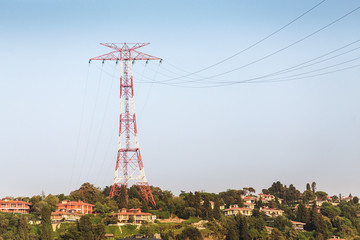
[
  {"x": 147, "y": 230},
  {"x": 190, "y": 233},
  {"x": 86, "y": 228},
  {"x": 313, "y": 187},
  {"x": 329, "y": 210},
  {"x": 276, "y": 235},
  {"x": 23, "y": 228},
  {"x": 52, "y": 201},
  {"x": 207, "y": 211},
  {"x": 321, "y": 196},
  {"x": 216, "y": 211},
  {"x": 242, "y": 227},
  {"x": 88, "y": 193},
  {"x": 302, "y": 214},
  {"x": 197, "y": 203},
  {"x": 46, "y": 229},
  {"x": 231, "y": 229}
]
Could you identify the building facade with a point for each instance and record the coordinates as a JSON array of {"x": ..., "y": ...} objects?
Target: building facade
[
  {"x": 65, "y": 216},
  {"x": 272, "y": 212},
  {"x": 133, "y": 216},
  {"x": 236, "y": 210},
  {"x": 75, "y": 207},
  {"x": 14, "y": 206}
]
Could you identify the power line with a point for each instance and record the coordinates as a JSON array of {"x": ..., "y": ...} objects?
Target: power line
[
  {"x": 81, "y": 123},
  {"x": 276, "y": 52},
  {"x": 252, "y": 45}
]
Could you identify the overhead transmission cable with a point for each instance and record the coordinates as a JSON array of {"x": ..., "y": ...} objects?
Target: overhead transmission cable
[
  {"x": 91, "y": 124},
  {"x": 269, "y": 81},
  {"x": 273, "y": 53},
  {"x": 252, "y": 45},
  {"x": 102, "y": 122},
  {"x": 81, "y": 123},
  {"x": 280, "y": 72}
]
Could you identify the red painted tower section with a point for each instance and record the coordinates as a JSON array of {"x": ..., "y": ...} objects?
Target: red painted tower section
[{"x": 129, "y": 167}]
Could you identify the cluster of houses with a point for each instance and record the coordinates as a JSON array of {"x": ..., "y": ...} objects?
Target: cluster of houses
[
  {"x": 14, "y": 206},
  {"x": 249, "y": 205},
  {"x": 72, "y": 211}
]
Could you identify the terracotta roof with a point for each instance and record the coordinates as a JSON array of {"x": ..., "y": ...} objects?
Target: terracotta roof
[
  {"x": 298, "y": 223},
  {"x": 249, "y": 197},
  {"x": 238, "y": 209},
  {"x": 265, "y": 195},
  {"x": 15, "y": 201},
  {"x": 270, "y": 209},
  {"x": 65, "y": 213},
  {"x": 74, "y": 203}
]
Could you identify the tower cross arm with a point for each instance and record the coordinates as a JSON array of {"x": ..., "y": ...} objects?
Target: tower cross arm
[
  {"x": 136, "y": 55},
  {"x": 125, "y": 46},
  {"x": 125, "y": 52},
  {"x": 108, "y": 56}
]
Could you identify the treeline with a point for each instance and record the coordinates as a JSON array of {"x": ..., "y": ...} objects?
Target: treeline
[{"x": 322, "y": 216}]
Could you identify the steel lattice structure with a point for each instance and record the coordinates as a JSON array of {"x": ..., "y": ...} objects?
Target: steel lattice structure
[{"x": 129, "y": 165}]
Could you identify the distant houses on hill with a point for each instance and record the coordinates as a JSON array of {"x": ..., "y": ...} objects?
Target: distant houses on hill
[{"x": 14, "y": 206}]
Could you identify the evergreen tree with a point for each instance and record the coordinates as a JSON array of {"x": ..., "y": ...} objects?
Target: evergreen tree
[
  {"x": 23, "y": 228},
  {"x": 242, "y": 227},
  {"x": 302, "y": 214},
  {"x": 86, "y": 228},
  {"x": 197, "y": 203},
  {"x": 231, "y": 229},
  {"x": 216, "y": 211},
  {"x": 46, "y": 230},
  {"x": 207, "y": 211},
  {"x": 276, "y": 235}
]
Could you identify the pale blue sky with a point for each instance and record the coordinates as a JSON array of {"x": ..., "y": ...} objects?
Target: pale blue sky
[{"x": 191, "y": 139}]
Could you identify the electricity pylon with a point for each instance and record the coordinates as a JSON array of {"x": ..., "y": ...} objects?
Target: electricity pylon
[{"x": 129, "y": 167}]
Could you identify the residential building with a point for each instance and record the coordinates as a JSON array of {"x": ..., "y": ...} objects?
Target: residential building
[
  {"x": 14, "y": 206},
  {"x": 268, "y": 229},
  {"x": 335, "y": 237},
  {"x": 298, "y": 225},
  {"x": 272, "y": 212},
  {"x": 75, "y": 207},
  {"x": 246, "y": 205},
  {"x": 265, "y": 198},
  {"x": 237, "y": 210},
  {"x": 138, "y": 216},
  {"x": 249, "y": 199},
  {"x": 65, "y": 216},
  {"x": 249, "y": 205}
]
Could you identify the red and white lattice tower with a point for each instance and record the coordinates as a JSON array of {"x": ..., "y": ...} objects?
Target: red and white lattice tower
[{"x": 129, "y": 166}]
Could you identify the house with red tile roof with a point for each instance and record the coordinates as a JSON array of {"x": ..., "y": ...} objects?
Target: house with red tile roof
[
  {"x": 272, "y": 212},
  {"x": 265, "y": 198},
  {"x": 236, "y": 210},
  {"x": 138, "y": 216},
  {"x": 298, "y": 225},
  {"x": 249, "y": 199},
  {"x": 75, "y": 207},
  {"x": 65, "y": 216},
  {"x": 14, "y": 206}
]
